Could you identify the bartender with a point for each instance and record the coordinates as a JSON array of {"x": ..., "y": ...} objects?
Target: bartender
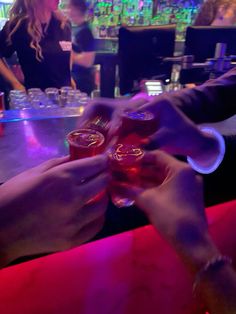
[
  {"x": 41, "y": 37},
  {"x": 83, "y": 45}
]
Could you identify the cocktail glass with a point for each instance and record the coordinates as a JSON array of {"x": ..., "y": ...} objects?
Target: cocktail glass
[
  {"x": 125, "y": 161},
  {"x": 85, "y": 143},
  {"x": 136, "y": 126}
]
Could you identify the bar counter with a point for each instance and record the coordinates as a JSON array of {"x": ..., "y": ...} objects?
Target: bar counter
[{"x": 29, "y": 137}]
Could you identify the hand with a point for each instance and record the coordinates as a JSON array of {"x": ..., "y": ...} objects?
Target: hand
[
  {"x": 172, "y": 198},
  {"x": 73, "y": 83},
  {"x": 46, "y": 209},
  {"x": 177, "y": 134},
  {"x": 18, "y": 86},
  {"x": 110, "y": 111}
]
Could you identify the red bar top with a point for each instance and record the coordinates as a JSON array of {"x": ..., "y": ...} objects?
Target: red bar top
[{"x": 133, "y": 272}]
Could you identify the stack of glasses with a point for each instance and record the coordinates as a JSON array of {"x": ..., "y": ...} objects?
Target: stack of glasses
[{"x": 35, "y": 98}]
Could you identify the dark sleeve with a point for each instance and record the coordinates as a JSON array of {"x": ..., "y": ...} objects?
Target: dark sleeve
[
  {"x": 85, "y": 40},
  {"x": 6, "y": 49},
  {"x": 212, "y": 101}
]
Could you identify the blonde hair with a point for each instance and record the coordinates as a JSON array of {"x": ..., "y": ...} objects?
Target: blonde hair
[
  {"x": 209, "y": 11},
  {"x": 26, "y": 10}
]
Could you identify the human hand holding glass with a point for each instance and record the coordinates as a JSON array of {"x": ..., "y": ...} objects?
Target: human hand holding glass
[
  {"x": 45, "y": 209},
  {"x": 171, "y": 195},
  {"x": 178, "y": 135}
]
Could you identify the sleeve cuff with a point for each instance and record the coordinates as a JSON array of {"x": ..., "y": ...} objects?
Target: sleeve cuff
[{"x": 209, "y": 168}]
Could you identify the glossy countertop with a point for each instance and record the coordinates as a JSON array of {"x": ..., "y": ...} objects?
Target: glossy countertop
[{"x": 25, "y": 143}]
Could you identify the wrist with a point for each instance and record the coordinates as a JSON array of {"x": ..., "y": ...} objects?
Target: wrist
[
  {"x": 15, "y": 84},
  {"x": 194, "y": 246},
  {"x": 210, "y": 269},
  {"x": 209, "y": 152},
  {"x": 206, "y": 145}
]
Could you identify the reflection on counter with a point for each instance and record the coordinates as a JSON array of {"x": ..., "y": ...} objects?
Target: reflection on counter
[{"x": 38, "y": 114}]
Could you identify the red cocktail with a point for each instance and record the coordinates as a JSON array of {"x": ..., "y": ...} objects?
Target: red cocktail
[
  {"x": 137, "y": 125},
  {"x": 125, "y": 166},
  {"x": 85, "y": 143}
]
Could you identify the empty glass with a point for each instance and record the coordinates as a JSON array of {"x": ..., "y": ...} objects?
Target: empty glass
[
  {"x": 64, "y": 94},
  {"x": 19, "y": 100},
  {"x": 53, "y": 95}
]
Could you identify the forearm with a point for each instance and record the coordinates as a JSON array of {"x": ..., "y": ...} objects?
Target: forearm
[
  {"x": 85, "y": 59},
  {"x": 218, "y": 291},
  {"x": 213, "y": 101},
  {"x": 7, "y": 73},
  {"x": 215, "y": 288}
]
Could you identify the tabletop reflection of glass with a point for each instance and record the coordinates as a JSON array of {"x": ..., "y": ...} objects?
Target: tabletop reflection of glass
[{"x": 37, "y": 114}]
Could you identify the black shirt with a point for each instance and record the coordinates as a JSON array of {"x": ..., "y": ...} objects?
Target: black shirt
[
  {"x": 83, "y": 41},
  {"x": 54, "y": 69}
]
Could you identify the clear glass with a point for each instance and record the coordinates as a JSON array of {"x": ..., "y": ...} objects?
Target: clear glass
[
  {"x": 19, "y": 100},
  {"x": 53, "y": 95},
  {"x": 64, "y": 95},
  {"x": 125, "y": 163},
  {"x": 85, "y": 143}
]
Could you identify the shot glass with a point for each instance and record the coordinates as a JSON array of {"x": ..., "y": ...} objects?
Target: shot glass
[
  {"x": 125, "y": 163},
  {"x": 136, "y": 126},
  {"x": 19, "y": 100},
  {"x": 64, "y": 95},
  {"x": 85, "y": 143},
  {"x": 53, "y": 95}
]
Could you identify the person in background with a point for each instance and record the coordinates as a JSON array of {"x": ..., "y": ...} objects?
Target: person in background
[
  {"x": 46, "y": 209},
  {"x": 83, "y": 46},
  {"x": 216, "y": 13},
  {"x": 41, "y": 37}
]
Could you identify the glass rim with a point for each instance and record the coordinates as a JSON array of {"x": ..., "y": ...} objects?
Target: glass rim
[
  {"x": 72, "y": 143},
  {"x": 126, "y": 112}
]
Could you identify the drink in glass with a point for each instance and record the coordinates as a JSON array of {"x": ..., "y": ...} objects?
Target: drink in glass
[
  {"x": 125, "y": 161},
  {"x": 136, "y": 125},
  {"x": 85, "y": 143}
]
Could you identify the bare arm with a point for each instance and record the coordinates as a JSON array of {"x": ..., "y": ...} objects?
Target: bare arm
[
  {"x": 175, "y": 207},
  {"x": 85, "y": 59},
  {"x": 9, "y": 76},
  {"x": 212, "y": 101}
]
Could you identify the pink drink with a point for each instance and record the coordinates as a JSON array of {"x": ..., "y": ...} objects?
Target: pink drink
[
  {"x": 137, "y": 125},
  {"x": 125, "y": 166},
  {"x": 85, "y": 143}
]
